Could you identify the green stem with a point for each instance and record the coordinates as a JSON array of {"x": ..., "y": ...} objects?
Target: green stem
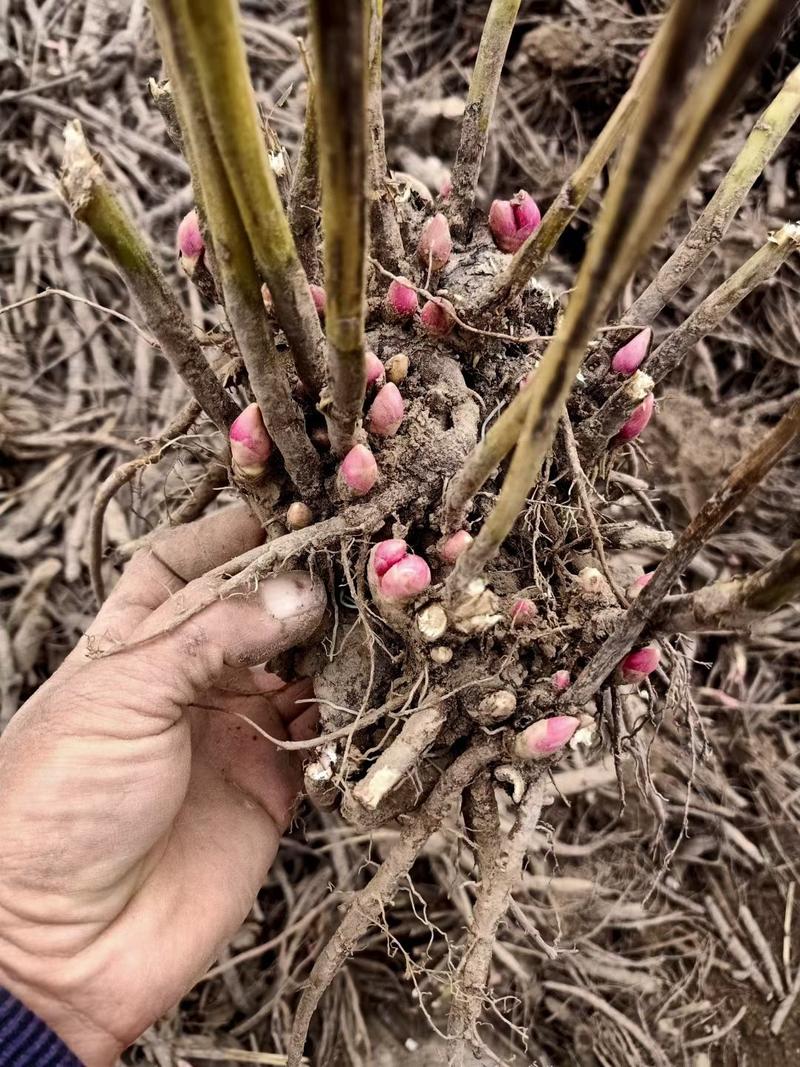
[
  {"x": 91, "y": 200},
  {"x": 215, "y": 40},
  {"x": 478, "y": 113},
  {"x": 339, "y": 32}
]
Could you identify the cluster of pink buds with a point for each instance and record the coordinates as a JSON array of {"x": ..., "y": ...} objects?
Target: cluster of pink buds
[
  {"x": 358, "y": 472},
  {"x": 401, "y": 299},
  {"x": 513, "y": 221},
  {"x": 190, "y": 240},
  {"x": 638, "y": 420},
  {"x": 454, "y": 545},
  {"x": 435, "y": 243},
  {"x": 629, "y": 358},
  {"x": 637, "y": 665},
  {"x": 438, "y": 316},
  {"x": 386, "y": 413},
  {"x": 399, "y": 576},
  {"x": 251, "y": 445}
]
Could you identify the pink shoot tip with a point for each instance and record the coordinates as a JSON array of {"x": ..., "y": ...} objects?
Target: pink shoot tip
[
  {"x": 251, "y": 445},
  {"x": 545, "y": 737},
  {"x": 387, "y": 410},
  {"x": 438, "y": 316},
  {"x": 376, "y": 372},
  {"x": 400, "y": 576},
  {"x": 630, "y": 356},
  {"x": 401, "y": 298},
  {"x": 638, "y": 585},
  {"x": 637, "y": 665},
  {"x": 358, "y": 471},
  {"x": 387, "y": 553},
  {"x": 638, "y": 420},
  {"x": 190, "y": 240},
  {"x": 523, "y": 612},
  {"x": 513, "y": 221},
  {"x": 435, "y": 243},
  {"x": 561, "y": 680},
  {"x": 319, "y": 296},
  {"x": 453, "y": 546}
]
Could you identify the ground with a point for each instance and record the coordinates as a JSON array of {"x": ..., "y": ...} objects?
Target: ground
[{"x": 627, "y": 898}]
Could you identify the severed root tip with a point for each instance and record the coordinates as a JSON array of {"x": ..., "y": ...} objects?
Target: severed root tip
[
  {"x": 320, "y": 298},
  {"x": 386, "y": 413},
  {"x": 251, "y": 445},
  {"x": 637, "y": 665},
  {"x": 545, "y": 737},
  {"x": 638, "y": 420},
  {"x": 452, "y": 547},
  {"x": 513, "y": 221},
  {"x": 435, "y": 243},
  {"x": 190, "y": 240},
  {"x": 376, "y": 372},
  {"x": 438, "y": 317},
  {"x": 630, "y": 356},
  {"x": 398, "y": 576},
  {"x": 401, "y": 299},
  {"x": 358, "y": 472}
]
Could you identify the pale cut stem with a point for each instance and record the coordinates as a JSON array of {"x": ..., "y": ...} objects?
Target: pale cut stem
[
  {"x": 764, "y": 140},
  {"x": 236, "y": 272},
  {"x": 609, "y": 260},
  {"x": 744, "y": 477},
  {"x": 304, "y": 196},
  {"x": 597, "y": 431},
  {"x": 91, "y": 200},
  {"x": 481, "y": 99},
  {"x": 214, "y": 34},
  {"x": 736, "y": 604},
  {"x": 339, "y": 32},
  {"x": 510, "y": 283},
  {"x": 385, "y": 238},
  {"x": 477, "y": 118}
]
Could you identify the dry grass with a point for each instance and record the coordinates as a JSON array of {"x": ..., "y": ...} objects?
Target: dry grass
[{"x": 614, "y": 953}]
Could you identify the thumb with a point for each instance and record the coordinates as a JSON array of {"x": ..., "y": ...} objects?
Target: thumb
[{"x": 168, "y": 669}]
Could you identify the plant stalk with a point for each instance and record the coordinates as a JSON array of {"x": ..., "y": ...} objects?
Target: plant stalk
[{"x": 304, "y": 195}]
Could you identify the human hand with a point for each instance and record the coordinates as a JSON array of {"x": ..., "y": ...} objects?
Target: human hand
[{"x": 138, "y": 814}]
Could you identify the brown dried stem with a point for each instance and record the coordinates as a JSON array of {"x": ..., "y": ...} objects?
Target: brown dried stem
[
  {"x": 339, "y": 31},
  {"x": 632, "y": 215},
  {"x": 91, "y": 200},
  {"x": 368, "y": 904},
  {"x": 744, "y": 477},
  {"x": 481, "y": 98},
  {"x": 214, "y": 36},
  {"x": 596, "y": 432}
]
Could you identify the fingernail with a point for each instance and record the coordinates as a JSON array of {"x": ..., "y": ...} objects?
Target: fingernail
[{"x": 286, "y": 596}]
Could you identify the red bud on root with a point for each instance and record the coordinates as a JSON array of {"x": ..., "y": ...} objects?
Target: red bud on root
[
  {"x": 190, "y": 239},
  {"x": 638, "y": 420},
  {"x": 561, "y": 680},
  {"x": 387, "y": 410},
  {"x": 401, "y": 298},
  {"x": 630, "y": 356},
  {"x": 435, "y": 242},
  {"x": 523, "y": 612},
  {"x": 513, "y": 221},
  {"x": 376, "y": 372},
  {"x": 438, "y": 316},
  {"x": 387, "y": 553},
  {"x": 545, "y": 737},
  {"x": 637, "y": 665},
  {"x": 446, "y": 188},
  {"x": 251, "y": 445},
  {"x": 358, "y": 471},
  {"x": 454, "y": 545},
  {"x": 409, "y": 577},
  {"x": 636, "y": 587},
  {"x": 320, "y": 298}
]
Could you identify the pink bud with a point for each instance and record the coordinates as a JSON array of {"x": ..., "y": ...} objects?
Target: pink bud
[
  {"x": 251, "y": 445},
  {"x": 438, "y": 316},
  {"x": 455, "y": 545},
  {"x": 387, "y": 553},
  {"x": 446, "y": 188},
  {"x": 266, "y": 296},
  {"x": 190, "y": 240},
  {"x": 638, "y": 420},
  {"x": 545, "y": 737},
  {"x": 513, "y": 221},
  {"x": 637, "y": 665},
  {"x": 409, "y": 577},
  {"x": 628, "y": 358},
  {"x": 637, "y": 586},
  {"x": 358, "y": 471},
  {"x": 561, "y": 680},
  {"x": 386, "y": 412},
  {"x": 435, "y": 243},
  {"x": 319, "y": 297},
  {"x": 401, "y": 299},
  {"x": 376, "y": 372},
  {"x": 523, "y": 612}
]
